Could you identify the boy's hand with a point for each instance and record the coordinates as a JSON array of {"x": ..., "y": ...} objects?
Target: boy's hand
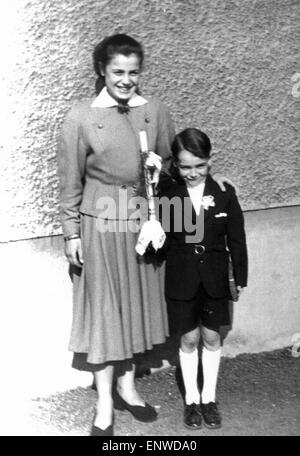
[{"x": 239, "y": 290}]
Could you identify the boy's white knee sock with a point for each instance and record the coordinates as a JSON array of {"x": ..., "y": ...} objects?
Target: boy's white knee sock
[
  {"x": 189, "y": 367},
  {"x": 210, "y": 367}
]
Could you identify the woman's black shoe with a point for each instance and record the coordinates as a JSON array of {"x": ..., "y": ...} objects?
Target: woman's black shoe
[
  {"x": 192, "y": 416},
  {"x": 211, "y": 415},
  {"x": 146, "y": 413},
  {"x": 98, "y": 432}
]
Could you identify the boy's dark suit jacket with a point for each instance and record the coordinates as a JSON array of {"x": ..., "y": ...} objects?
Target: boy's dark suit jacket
[{"x": 185, "y": 270}]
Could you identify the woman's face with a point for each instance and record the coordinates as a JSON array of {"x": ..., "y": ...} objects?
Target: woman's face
[
  {"x": 122, "y": 75},
  {"x": 192, "y": 169}
]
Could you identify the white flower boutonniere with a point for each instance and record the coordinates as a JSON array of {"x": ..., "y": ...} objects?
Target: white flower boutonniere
[{"x": 207, "y": 201}]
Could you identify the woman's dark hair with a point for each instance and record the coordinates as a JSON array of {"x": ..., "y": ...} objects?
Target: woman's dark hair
[
  {"x": 110, "y": 46},
  {"x": 194, "y": 141}
]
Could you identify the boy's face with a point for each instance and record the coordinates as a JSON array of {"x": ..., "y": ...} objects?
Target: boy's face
[{"x": 192, "y": 169}]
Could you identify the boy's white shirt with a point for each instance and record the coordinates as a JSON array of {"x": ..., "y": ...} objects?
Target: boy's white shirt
[{"x": 196, "y": 194}]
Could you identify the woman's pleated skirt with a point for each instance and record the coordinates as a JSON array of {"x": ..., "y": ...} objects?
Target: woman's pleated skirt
[{"x": 119, "y": 308}]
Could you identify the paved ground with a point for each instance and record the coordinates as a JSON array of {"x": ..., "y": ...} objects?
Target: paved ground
[{"x": 259, "y": 395}]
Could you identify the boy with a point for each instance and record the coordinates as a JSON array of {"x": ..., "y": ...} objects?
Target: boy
[{"x": 196, "y": 282}]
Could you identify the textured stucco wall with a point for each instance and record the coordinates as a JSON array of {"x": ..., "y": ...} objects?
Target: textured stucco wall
[{"x": 224, "y": 65}]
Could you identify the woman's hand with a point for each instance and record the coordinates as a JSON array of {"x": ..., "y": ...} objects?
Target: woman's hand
[
  {"x": 73, "y": 252},
  {"x": 154, "y": 164},
  {"x": 221, "y": 180}
]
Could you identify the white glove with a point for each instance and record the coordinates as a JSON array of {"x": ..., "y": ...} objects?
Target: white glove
[
  {"x": 151, "y": 231},
  {"x": 154, "y": 161}
]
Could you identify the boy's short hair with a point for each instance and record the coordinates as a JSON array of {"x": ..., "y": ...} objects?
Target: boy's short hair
[{"x": 193, "y": 140}]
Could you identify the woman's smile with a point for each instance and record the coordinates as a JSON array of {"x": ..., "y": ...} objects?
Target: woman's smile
[{"x": 122, "y": 76}]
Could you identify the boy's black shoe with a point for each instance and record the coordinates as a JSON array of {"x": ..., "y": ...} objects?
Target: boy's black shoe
[
  {"x": 192, "y": 416},
  {"x": 211, "y": 415}
]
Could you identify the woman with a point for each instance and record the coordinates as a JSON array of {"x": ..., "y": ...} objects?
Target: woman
[{"x": 119, "y": 309}]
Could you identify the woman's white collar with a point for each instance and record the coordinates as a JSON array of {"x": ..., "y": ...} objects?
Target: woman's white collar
[{"x": 104, "y": 100}]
